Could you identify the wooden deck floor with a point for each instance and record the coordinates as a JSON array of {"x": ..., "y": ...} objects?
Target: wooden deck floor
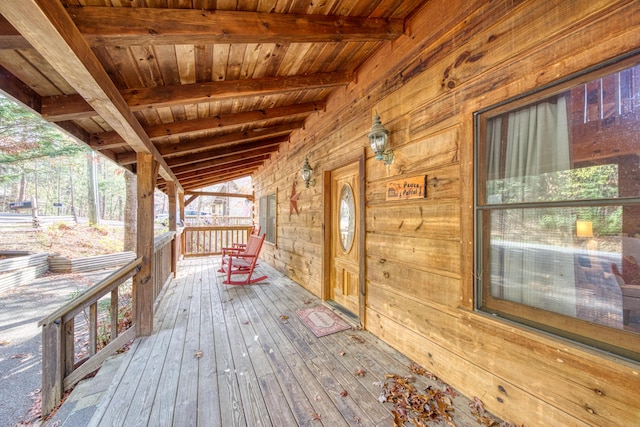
[{"x": 226, "y": 356}]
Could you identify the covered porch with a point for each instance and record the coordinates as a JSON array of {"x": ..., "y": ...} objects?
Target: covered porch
[{"x": 239, "y": 355}]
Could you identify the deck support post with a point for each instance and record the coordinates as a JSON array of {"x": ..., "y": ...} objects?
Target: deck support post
[
  {"x": 53, "y": 366},
  {"x": 181, "y": 216},
  {"x": 172, "y": 194},
  {"x": 147, "y": 170}
]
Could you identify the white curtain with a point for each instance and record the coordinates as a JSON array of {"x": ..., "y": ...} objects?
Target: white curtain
[{"x": 537, "y": 144}]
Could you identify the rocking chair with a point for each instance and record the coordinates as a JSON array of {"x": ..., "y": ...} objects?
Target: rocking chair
[
  {"x": 255, "y": 231},
  {"x": 242, "y": 261}
]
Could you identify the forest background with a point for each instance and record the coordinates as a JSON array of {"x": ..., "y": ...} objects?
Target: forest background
[{"x": 40, "y": 163}]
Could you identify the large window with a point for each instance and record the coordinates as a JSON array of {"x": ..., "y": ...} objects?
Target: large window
[
  {"x": 558, "y": 209},
  {"x": 268, "y": 217}
]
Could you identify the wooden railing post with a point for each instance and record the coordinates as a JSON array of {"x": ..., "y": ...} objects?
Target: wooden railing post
[
  {"x": 52, "y": 366},
  {"x": 61, "y": 369},
  {"x": 143, "y": 280}
]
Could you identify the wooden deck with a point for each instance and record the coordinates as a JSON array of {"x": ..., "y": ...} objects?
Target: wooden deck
[{"x": 227, "y": 356}]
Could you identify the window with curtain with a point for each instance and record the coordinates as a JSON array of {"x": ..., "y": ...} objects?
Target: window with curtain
[
  {"x": 558, "y": 209},
  {"x": 267, "y": 217}
]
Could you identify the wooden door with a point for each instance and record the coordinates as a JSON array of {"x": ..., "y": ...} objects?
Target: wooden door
[{"x": 345, "y": 248}]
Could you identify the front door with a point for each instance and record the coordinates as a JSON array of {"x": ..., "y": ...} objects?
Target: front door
[{"x": 344, "y": 286}]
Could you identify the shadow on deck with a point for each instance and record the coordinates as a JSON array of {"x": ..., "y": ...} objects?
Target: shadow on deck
[{"x": 239, "y": 356}]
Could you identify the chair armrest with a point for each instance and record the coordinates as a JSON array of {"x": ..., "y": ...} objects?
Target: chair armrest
[
  {"x": 231, "y": 251},
  {"x": 242, "y": 256}
]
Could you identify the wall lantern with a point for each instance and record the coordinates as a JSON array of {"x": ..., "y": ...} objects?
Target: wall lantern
[
  {"x": 307, "y": 174},
  {"x": 379, "y": 138}
]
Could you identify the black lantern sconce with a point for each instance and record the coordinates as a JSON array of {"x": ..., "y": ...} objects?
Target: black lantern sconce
[
  {"x": 307, "y": 174},
  {"x": 379, "y": 139}
]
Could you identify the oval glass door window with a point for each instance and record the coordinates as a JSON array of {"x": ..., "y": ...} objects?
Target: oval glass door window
[{"x": 347, "y": 218}]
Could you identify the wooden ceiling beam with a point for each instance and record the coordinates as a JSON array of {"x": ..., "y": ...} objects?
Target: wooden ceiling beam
[
  {"x": 119, "y": 26},
  {"x": 64, "y": 107},
  {"x": 235, "y": 165},
  {"x": 10, "y": 38},
  {"x": 218, "y": 175},
  {"x": 263, "y": 153},
  {"x": 50, "y": 30},
  {"x": 205, "y": 144},
  {"x": 19, "y": 91},
  {"x": 111, "y": 140},
  {"x": 225, "y": 170},
  {"x": 219, "y": 179},
  {"x": 268, "y": 145},
  {"x": 209, "y": 143},
  {"x": 218, "y": 194},
  {"x": 186, "y": 127},
  {"x": 214, "y": 150}
]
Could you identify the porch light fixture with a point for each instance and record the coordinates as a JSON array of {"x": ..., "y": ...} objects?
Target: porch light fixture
[
  {"x": 307, "y": 173},
  {"x": 379, "y": 138}
]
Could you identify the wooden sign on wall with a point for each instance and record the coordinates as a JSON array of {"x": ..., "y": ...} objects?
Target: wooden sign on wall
[{"x": 407, "y": 188}]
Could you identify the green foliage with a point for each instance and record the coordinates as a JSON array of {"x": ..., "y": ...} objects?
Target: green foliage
[
  {"x": 25, "y": 136},
  {"x": 37, "y": 159}
]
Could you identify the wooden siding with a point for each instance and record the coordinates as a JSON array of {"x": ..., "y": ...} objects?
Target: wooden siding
[{"x": 419, "y": 253}]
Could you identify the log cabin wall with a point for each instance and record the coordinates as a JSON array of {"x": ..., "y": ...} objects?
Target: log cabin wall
[{"x": 457, "y": 57}]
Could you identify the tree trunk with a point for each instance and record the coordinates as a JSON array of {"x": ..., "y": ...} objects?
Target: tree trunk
[
  {"x": 73, "y": 201},
  {"x": 130, "y": 212},
  {"x": 23, "y": 184},
  {"x": 92, "y": 173}
]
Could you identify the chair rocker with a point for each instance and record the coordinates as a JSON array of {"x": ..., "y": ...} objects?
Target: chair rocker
[{"x": 236, "y": 261}]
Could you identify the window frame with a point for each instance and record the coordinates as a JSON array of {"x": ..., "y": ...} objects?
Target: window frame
[
  {"x": 268, "y": 217},
  {"x": 618, "y": 341}
]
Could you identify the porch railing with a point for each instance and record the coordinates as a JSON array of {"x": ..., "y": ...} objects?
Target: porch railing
[
  {"x": 204, "y": 241},
  {"x": 64, "y": 365},
  {"x": 162, "y": 265}
]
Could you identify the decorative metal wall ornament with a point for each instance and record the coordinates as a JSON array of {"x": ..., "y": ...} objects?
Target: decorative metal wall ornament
[{"x": 293, "y": 200}]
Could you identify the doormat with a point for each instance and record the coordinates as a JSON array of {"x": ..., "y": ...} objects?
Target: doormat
[{"x": 322, "y": 321}]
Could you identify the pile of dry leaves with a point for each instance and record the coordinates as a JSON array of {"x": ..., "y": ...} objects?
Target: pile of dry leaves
[{"x": 432, "y": 404}]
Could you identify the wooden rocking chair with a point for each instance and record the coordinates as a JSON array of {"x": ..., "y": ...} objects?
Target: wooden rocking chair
[
  {"x": 255, "y": 231},
  {"x": 242, "y": 261}
]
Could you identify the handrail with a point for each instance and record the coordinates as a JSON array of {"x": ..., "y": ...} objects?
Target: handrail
[
  {"x": 209, "y": 240},
  {"x": 163, "y": 239},
  {"x": 60, "y": 369},
  {"x": 92, "y": 294}
]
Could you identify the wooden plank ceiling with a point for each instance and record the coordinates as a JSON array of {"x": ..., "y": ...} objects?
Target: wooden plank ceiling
[{"x": 211, "y": 88}]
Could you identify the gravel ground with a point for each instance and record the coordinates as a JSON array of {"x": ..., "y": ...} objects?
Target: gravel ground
[{"x": 20, "y": 339}]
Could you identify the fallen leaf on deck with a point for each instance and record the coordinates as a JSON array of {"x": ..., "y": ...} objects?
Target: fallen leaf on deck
[
  {"x": 198, "y": 354},
  {"x": 360, "y": 372},
  {"x": 344, "y": 393},
  {"x": 307, "y": 302},
  {"x": 316, "y": 416},
  {"x": 357, "y": 339},
  {"x": 20, "y": 356},
  {"x": 419, "y": 370},
  {"x": 284, "y": 317},
  {"x": 342, "y": 353},
  {"x": 411, "y": 405},
  {"x": 482, "y": 417}
]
